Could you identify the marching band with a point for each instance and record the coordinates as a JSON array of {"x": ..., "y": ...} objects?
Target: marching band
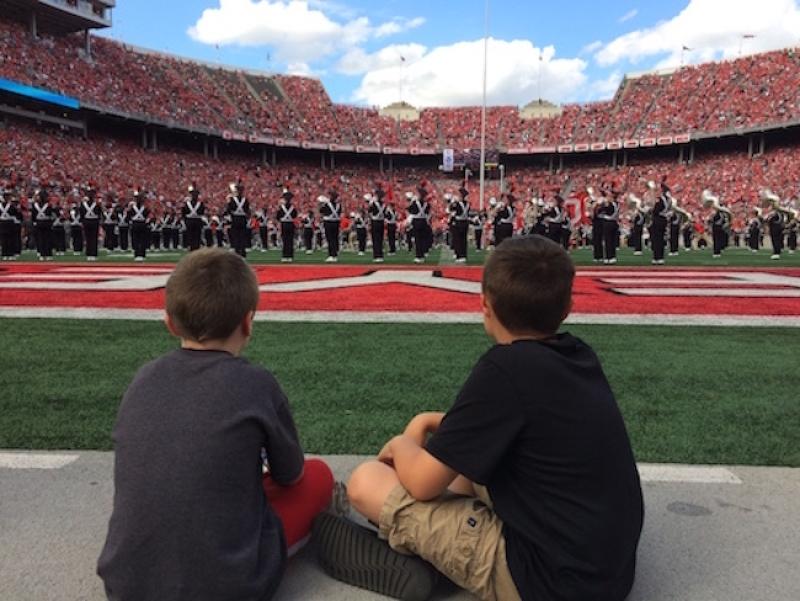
[{"x": 596, "y": 219}]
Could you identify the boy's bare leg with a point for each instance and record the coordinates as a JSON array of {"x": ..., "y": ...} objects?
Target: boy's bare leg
[{"x": 369, "y": 487}]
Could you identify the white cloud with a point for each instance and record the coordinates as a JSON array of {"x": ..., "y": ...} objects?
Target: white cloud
[
  {"x": 628, "y": 15},
  {"x": 603, "y": 89},
  {"x": 451, "y": 75},
  {"x": 299, "y": 30},
  {"x": 357, "y": 62},
  {"x": 398, "y": 25},
  {"x": 593, "y": 47},
  {"x": 713, "y": 29}
]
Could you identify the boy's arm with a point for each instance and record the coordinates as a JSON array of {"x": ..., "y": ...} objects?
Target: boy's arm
[
  {"x": 284, "y": 453},
  {"x": 420, "y": 473},
  {"x": 422, "y": 425}
]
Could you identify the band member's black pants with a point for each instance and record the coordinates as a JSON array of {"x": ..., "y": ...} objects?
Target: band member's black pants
[
  {"x": 391, "y": 235},
  {"x": 7, "y": 238},
  {"x": 194, "y": 232},
  {"x": 674, "y": 236},
  {"x": 610, "y": 239},
  {"x": 287, "y": 235},
  {"x": 503, "y": 231},
  {"x": 139, "y": 239},
  {"x": 658, "y": 241},
  {"x": 361, "y": 236},
  {"x": 90, "y": 231},
  {"x": 109, "y": 243},
  {"x": 636, "y": 238},
  {"x": 597, "y": 239},
  {"x": 332, "y": 236},
  {"x": 43, "y": 230},
  {"x": 238, "y": 234},
  {"x": 308, "y": 238},
  {"x": 377, "y": 239},
  {"x": 420, "y": 234},
  {"x": 776, "y": 234},
  {"x": 459, "y": 232},
  {"x": 718, "y": 236}
]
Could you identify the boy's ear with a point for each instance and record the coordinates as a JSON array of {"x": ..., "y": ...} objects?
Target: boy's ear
[
  {"x": 171, "y": 328},
  {"x": 247, "y": 324},
  {"x": 568, "y": 311},
  {"x": 486, "y": 307}
]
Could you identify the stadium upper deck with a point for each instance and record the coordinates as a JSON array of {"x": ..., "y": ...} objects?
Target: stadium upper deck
[{"x": 759, "y": 91}]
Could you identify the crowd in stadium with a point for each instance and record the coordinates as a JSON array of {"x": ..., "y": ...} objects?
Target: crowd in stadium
[{"x": 754, "y": 90}]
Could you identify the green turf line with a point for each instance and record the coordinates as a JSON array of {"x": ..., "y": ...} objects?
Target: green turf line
[
  {"x": 734, "y": 257},
  {"x": 696, "y": 395}
]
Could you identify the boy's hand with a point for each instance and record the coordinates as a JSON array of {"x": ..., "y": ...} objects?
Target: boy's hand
[
  {"x": 387, "y": 454},
  {"x": 422, "y": 425}
]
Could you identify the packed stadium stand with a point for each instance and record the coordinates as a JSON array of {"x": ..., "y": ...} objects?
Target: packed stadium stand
[{"x": 144, "y": 89}]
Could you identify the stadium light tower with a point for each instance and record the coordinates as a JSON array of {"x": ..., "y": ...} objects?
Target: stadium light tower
[{"x": 483, "y": 107}]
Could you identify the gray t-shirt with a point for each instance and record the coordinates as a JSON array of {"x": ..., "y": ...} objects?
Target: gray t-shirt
[{"x": 190, "y": 518}]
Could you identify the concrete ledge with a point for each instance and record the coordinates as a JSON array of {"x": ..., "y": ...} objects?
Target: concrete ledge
[{"x": 711, "y": 534}]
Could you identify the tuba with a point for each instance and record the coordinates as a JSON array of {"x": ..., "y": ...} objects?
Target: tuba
[
  {"x": 685, "y": 214},
  {"x": 711, "y": 201},
  {"x": 634, "y": 202}
]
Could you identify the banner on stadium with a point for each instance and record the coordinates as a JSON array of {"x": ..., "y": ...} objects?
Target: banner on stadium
[
  {"x": 665, "y": 141},
  {"x": 581, "y": 148},
  {"x": 448, "y": 160},
  {"x": 614, "y": 145},
  {"x": 598, "y": 146}
]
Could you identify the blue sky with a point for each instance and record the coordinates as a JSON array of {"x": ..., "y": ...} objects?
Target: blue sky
[{"x": 579, "y": 53}]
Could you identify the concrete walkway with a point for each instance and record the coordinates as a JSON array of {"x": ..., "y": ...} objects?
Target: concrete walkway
[{"x": 710, "y": 535}]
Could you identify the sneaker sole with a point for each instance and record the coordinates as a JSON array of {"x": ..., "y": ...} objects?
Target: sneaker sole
[{"x": 356, "y": 556}]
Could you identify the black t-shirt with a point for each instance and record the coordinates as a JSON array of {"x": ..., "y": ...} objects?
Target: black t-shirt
[
  {"x": 190, "y": 518},
  {"x": 538, "y": 425}
]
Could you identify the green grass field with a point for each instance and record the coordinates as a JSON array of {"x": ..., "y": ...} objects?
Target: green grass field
[
  {"x": 696, "y": 395},
  {"x": 734, "y": 257}
]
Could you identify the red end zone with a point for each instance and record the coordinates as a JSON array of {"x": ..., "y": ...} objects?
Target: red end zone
[{"x": 442, "y": 291}]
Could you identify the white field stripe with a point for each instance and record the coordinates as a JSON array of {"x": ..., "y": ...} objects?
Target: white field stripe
[
  {"x": 115, "y": 270},
  {"x": 33, "y": 461},
  {"x": 777, "y": 321},
  {"x": 729, "y": 292},
  {"x": 681, "y": 284},
  {"x": 57, "y": 277},
  {"x": 691, "y": 474},
  {"x": 618, "y": 273}
]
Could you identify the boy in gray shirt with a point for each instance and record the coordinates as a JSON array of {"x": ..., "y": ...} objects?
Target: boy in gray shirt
[{"x": 191, "y": 520}]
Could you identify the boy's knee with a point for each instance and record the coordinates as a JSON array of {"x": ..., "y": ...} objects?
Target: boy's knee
[{"x": 362, "y": 482}]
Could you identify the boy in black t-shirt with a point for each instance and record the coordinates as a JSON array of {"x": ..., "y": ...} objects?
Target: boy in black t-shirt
[
  {"x": 195, "y": 518},
  {"x": 527, "y": 488}
]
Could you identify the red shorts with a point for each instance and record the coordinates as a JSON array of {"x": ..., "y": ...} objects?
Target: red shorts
[{"x": 299, "y": 504}]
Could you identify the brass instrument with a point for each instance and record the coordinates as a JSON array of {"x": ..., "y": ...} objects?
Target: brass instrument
[{"x": 711, "y": 201}]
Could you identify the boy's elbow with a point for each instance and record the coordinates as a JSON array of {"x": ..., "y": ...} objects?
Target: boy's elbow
[{"x": 423, "y": 490}]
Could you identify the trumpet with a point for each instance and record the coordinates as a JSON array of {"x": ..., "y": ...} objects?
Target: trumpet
[{"x": 634, "y": 202}]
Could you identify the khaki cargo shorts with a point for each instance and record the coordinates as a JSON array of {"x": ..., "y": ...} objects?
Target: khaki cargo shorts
[{"x": 461, "y": 536}]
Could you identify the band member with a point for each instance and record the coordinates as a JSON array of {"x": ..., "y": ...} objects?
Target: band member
[
  {"x": 609, "y": 213},
  {"x": 377, "y": 216},
  {"x": 9, "y": 212},
  {"x": 360, "y": 226},
  {"x": 638, "y": 219},
  {"x": 416, "y": 212},
  {"x": 90, "y": 218},
  {"x": 308, "y": 232},
  {"x": 125, "y": 229},
  {"x": 553, "y": 218},
  {"x": 110, "y": 222},
  {"x": 503, "y": 221},
  {"x": 76, "y": 229},
  {"x": 658, "y": 228},
  {"x": 238, "y": 212},
  {"x": 459, "y": 213},
  {"x": 688, "y": 232},
  {"x": 169, "y": 228},
  {"x": 262, "y": 215},
  {"x": 331, "y": 210},
  {"x": 775, "y": 221},
  {"x": 154, "y": 240},
  {"x": 139, "y": 218},
  {"x": 59, "y": 229},
  {"x": 791, "y": 231},
  {"x": 193, "y": 212},
  {"x": 43, "y": 215},
  {"x": 286, "y": 216},
  {"x": 478, "y": 221},
  {"x": 217, "y": 229},
  {"x": 427, "y": 211},
  {"x": 391, "y": 228},
  {"x": 719, "y": 222}
]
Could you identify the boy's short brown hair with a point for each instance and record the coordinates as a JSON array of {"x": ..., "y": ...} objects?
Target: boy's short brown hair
[
  {"x": 209, "y": 294},
  {"x": 528, "y": 282}
]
